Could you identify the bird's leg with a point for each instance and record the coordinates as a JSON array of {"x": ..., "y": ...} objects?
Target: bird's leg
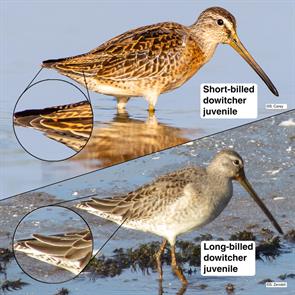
[
  {"x": 158, "y": 257},
  {"x": 151, "y": 109},
  {"x": 176, "y": 268},
  {"x": 121, "y": 102},
  {"x": 152, "y": 100}
]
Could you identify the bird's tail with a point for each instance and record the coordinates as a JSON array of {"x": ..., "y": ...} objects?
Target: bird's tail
[
  {"x": 101, "y": 208},
  {"x": 54, "y": 63},
  {"x": 51, "y": 63}
]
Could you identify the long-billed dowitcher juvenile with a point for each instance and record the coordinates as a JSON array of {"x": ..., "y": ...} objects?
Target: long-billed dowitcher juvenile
[
  {"x": 178, "y": 202},
  {"x": 155, "y": 59},
  {"x": 70, "y": 251}
]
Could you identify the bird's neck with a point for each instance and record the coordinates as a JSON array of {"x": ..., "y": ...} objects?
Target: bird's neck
[
  {"x": 221, "y": 183},
  {"x": 206, "y": 42},
  {"x": 221, "y": 189}
]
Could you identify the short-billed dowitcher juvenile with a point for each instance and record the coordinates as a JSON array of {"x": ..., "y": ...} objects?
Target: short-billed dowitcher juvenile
[
  {"x": 70, "y": 251},
  {"x": 178, "y": 202},
  {"x": 155, "y": 59}
]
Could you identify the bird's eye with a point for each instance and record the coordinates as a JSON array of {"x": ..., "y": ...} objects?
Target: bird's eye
[
  {"x": 220, "y": 22},
  {"x": 236, "y": 162}
]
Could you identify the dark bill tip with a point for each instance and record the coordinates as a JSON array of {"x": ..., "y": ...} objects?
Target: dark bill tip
[{"x": 247, "y": 186}]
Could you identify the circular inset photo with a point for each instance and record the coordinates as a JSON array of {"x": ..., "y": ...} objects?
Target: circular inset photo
[
  {"x": 52, "y": 244},
  {"x": 53, "y": 120}
]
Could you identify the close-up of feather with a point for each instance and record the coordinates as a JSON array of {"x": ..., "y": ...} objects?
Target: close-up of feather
[
  {"x": 71, "y": 251},
  {"x": 69, "y": 124}
]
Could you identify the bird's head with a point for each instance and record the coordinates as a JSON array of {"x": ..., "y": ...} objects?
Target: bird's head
[
  {"x": 230, "y": 164},
  {"x": 219, "y": 26}
]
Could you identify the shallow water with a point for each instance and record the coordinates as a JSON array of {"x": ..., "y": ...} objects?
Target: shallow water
[
  {"x": 268, "y": 149},
  {"x": 138, "y": 283}
]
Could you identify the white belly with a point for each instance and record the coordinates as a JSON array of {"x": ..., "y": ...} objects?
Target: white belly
[{"x": 184, "y": 215}]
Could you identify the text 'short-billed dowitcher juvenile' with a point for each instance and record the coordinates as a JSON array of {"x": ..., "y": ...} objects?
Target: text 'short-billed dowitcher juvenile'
[
  {"x": 178, "y": 202},
  {"x": 155, "y": 59}
]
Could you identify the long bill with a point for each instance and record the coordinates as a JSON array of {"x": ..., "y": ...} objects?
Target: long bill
[
  {"x": 237, "y": 45},
  {"x": 247, "y": 186}
]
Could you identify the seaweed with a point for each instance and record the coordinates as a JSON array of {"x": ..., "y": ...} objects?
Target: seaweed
[
  {"x": 203, "y": 237},
  {"x": 290, "y": 236},
  {"x": 262, "y": 282},
  {"x": 270, "y": 248},
  {"x": 8, "y": 285},
  {"x": 5, "y": 255},
  {"x": 285, "y": 276},
  {"x": 230, "y": 288},
  {"x": 243, "y": 236},
  {"x": 143, "y": 257},
  {"x": 202, "y": 286},
  {"x": 104, "y": 267},
  {"x": 63, "y": 291}
]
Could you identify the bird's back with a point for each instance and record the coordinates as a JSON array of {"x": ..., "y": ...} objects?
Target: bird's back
[
  {"x": 161, "y": 56},
  {"x": 148, "y": 200}
]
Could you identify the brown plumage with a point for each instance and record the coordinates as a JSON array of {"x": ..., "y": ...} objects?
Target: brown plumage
[
  {"x": 69, "y": 124},
  {"x": 154, "y": 59},
  {"x": 71, "y": 251},
  {"x": 144, "y": 202}
]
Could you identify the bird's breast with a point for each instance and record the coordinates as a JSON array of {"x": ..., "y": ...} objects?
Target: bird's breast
[
  {"x": 182, "y": 66},
  {"x": 196, "y": 209}
]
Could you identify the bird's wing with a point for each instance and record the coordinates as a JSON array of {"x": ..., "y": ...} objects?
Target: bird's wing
[
  {"x": 58, "y": 245},
  {"x": 136, "y": 54},
  {"x": 69, "y": 124},
  {"x": 146, "y": 200},
  {"x": 71, "y": 251}
]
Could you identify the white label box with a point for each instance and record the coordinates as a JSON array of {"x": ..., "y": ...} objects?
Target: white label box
[
  {"x": 228, "y": 258},
  {"x": 276, "y": 284},
  {"x": 228, "y": 101}
]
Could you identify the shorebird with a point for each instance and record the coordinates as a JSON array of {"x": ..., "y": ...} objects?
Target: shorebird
[
  {"x": 155, "y": 59},
  {"x": 70, "y": 251},
  {"x": 69, "y": 124},
  {"x": 178, "y": 202}
]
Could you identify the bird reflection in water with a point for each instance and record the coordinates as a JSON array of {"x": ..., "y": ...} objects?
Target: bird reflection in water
[
  {"x": 126, "y": 138},
  {"x": 122, "y": 139}
]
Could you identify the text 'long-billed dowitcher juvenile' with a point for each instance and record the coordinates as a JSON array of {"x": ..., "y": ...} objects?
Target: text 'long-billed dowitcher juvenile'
[
  {"x": 155, "y": 59},
  {"x": 178, "y": 202}
]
